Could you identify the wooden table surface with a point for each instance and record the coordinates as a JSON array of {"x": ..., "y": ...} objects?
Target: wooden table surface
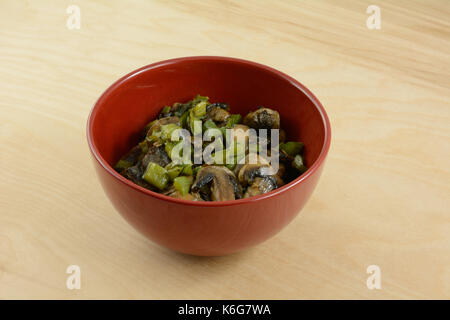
[{"x": 383, "y": 198}]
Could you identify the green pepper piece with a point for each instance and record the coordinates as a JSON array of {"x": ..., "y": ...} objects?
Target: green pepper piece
[
  {"x": 298, "y": 164},
  {"x": 200, "y": 109},
  {"x": 156, "y": 176},
  {"x": 144, "y": 146},
  {"x": 183, "y": 119},
  {"x": 168, "y": 146},
  {"x": 195, "y": 129},
  {"x": 148, "y": 126},
  {"x": 183, "y": 184},
  {"x": 198, "y": 99},
  {"x": 187, "y": 170},
  {"x": 292, "y": 148},
  {"x": 165, "y": 110},
  {"x": 122, "y": 164},
  {"x": 155, "y": 136},
  {"x": 233, "y": 120},
  {"x": 209, "y": 124},
  {"x": 190, "y": 121},
  {"x": 151, "y": 123},
  {"x": 174, "y": 172},
  {"x": 167, "y": 130}
]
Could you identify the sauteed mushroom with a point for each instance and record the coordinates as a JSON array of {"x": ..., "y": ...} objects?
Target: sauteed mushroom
[
  {"x": 156, "y": 154},
  {"x": 257, "y": 176},
  {"x": 217, "y": 114},
  {"x": 263, "y": 118},
  {"x": 222, "y": 181},
  {"x": 249, "y": 172},
  {"x": 135, "y": 173},
  {"x": 174, "y": 193},
  {"x": 130, "y": 159},
  {"x": 261, "y": 185},
  {"x": 251, "y": 159}
]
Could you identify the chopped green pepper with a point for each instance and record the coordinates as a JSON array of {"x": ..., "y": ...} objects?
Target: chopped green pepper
[
  {"x": 155, "y": 136},
  {"x": 195, "y": 124},
  {"x": 152, "y": 123},
  {"x": 144, "y": 146},
  {"x": 297, "y": 163},
  {"x": 187, "y": 170},
  {"x": 233, "y": 120},
  {"x": 156, "y": 176},
  {"x": 122, "y": 164},
  {"x": 174, "y": 172},
  {"x": 167, "y": 130},
  {"x": 292, "y": 148},
  {"x": 165, "y": 110},
  {"x": 199, "y": 98},
  {"x": 200, "y": 109},
  {"x": 168, "y": 146},
  {"x": 183, "y": 119},
  {"x": 183, "y": 184},
  {"x": 209, "y": 124}
]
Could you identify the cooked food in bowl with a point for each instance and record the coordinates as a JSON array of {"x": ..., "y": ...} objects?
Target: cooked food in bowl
[
  {"x": 199, "y": 151},
  {"x": 206, "y": 228}
]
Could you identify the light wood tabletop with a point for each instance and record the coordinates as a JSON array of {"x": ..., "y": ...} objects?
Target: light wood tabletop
[{"x": 383, "y": 199}]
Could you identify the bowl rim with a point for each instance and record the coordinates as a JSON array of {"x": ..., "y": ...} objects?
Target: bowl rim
[{"x": 311, "y": 170}]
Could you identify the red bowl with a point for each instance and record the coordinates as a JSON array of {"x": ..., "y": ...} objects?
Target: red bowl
[{"x": 205, "y": 228}]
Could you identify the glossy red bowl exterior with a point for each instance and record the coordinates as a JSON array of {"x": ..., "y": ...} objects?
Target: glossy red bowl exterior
[{"x": 205, "y": 228}]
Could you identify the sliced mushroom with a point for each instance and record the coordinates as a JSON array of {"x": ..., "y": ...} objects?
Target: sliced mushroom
[
  {"x": 135, "y": 173},
  {"x": 278, "y": 180},
  {"x": 195, "y": 196},
  {"x": 249, "y": 172},
  {"x": 257, "y": 177},
  {"x": 133, "y": 156},
  {"x": 172, "y": 192},
  {"x": 261, "y": 185},
  {"x": 156, "y": 154},
  {"x": 263, "y": 118},
  {"x": 251, "y": 159},
  {"x": 222, "y": 182},
  {"x": 218, "y": 115}
]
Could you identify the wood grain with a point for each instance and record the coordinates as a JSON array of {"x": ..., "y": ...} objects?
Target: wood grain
[{"x": 383, "y": 198}]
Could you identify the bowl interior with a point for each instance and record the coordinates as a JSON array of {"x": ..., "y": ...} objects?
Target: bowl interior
[{"x": 129, "y": 104}]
